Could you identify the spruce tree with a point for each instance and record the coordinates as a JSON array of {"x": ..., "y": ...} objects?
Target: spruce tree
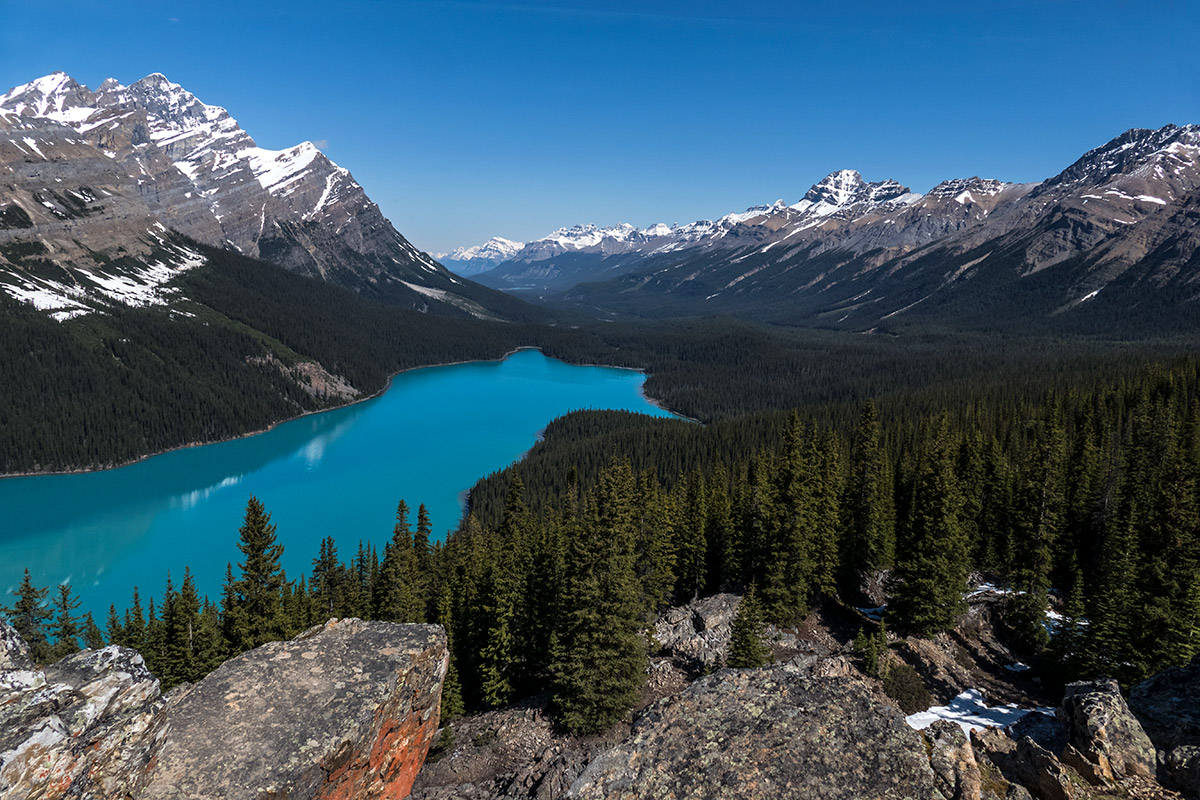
[
  {"x": 869, "y": 544},
  {"x": 29, "y": 616},
  {"x": 93, "y": 637},
  {"x": 599, "y": 656},
  {"x": 746, "y": 646},
  {"x": 135, "y": 624},
  {"x": 933, "y": 565},
  {"x": 259, "y": 589},
  {"x": 397, "y": 589},
  {"x": 66, "y": 627}
]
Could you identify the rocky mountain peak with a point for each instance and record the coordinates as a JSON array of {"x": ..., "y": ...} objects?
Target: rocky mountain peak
[
  {"x": 846, "y": 187},
  {"x": 836, "y": 188},
  {"x": 50, "y": 96},
  {"x": 1171, "y": 147},
  {"x": 966, "y": 190}
]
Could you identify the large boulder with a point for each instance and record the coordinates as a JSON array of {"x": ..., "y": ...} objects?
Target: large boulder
[
  {"x": 1102, "y": 729},
  {"x": 1168, "y": 706},
  {"x": 85, "y": 727},
  {"x": 766, "y": 733},
  {"x": 345, "y": 710},
  {"x": 698, "y": 633}
]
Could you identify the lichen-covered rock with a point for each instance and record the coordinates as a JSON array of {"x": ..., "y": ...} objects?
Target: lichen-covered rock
[
  {"x": 85, "y": 727},
  {"x": 698, "y": 634},
  {"x": 345, "y": 710},
  {"x": 513, "y": 753},
  {"x": 953, "y": 761},
  {"x": 1104, "y": 731},
  {"x": 767, "y": 733},
  {"x": 14, "y": 653},
  {"x": 1168, "y": 706}
]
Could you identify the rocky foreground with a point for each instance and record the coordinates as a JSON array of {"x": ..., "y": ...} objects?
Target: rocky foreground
[
  {"x": 350, "y": 709},
  {"x": 345, "y": 710}
]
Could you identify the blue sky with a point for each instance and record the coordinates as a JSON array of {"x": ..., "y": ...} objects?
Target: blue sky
[{"x": 466, "y": 120}]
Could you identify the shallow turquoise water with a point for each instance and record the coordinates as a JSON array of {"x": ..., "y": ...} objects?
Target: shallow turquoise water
[{"x": 339, "y": 473}]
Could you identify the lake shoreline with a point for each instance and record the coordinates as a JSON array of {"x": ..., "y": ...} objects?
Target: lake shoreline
[{"x": 373, "y": 396}]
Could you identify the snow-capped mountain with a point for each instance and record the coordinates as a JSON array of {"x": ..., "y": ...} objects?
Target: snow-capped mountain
[
  {"x": 467, "y": 261},
  {"x": 852, "y": 252},
  {"x": 154, "y": 157},
  {"x": 1120, "y": 224},
  {"x": 589, "y": 252}
]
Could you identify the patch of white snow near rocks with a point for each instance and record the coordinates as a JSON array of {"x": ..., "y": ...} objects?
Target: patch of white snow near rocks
[{"x": 970, "y": 711}]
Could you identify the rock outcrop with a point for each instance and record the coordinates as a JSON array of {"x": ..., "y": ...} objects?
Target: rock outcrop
[
  {"x": 1102, "y": 729},
  {"x": 698, "y": 634},
  {"x": 1168, "y": 706},
  {"x": 345, "y": 710},
  {"x": 84, "y": 727},
  {"x": 768, "y": 733}
]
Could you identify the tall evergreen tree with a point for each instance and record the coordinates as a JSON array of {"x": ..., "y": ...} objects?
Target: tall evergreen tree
[
  {"x": 746, "y": 646},
  {"x": 933, "y": 566},
  {"x": 259, "y": 589},
  {"x": 29, "y": 616},
  {"x": 869, "y": 543},
  {"x": 600, "y": 657},
  {"x": 397, "y": 589},
  {"x": 66, "y": 628}
]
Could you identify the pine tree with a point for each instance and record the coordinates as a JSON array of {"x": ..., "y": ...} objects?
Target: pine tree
[
  {"x": 114, "y": 628},
  {"x": 452, "y": 697},
  {"x": 932, "y": 570},
  {"x": 29, "y": 615},
  {"x": 259, "y": 589},
  {"x": 135, "y": 625},
  {"x": 397, "y": 590},
  {"x": 502, "y": 597},
  {"x": 869, "y": 544},
  {"x": 600, "y": 657},
  {"x": 746, "y": 646},
  {"x": 93, "y": 637},
  {"x": 691, "y": 542},
  {"x": 66, "y": 629}
]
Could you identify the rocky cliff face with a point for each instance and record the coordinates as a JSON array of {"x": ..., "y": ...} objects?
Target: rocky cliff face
[{"x": 345, "y": 710}]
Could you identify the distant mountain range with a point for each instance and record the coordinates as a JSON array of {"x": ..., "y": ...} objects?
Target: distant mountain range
[
  {"x": 97, "y": 186},
  {"x": 1115, "y": 233}
]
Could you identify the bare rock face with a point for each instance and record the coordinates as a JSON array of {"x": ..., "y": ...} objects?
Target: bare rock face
[
  {"x": 768, "y": 733},
  {"x": 953, "y": 761},
  {"x": 1168, "y": 706},
  {"x": 698, "y": 634},
  {"x": 1101, "y": 727},
  {"x": 345, "y": 710},
  {"x": 85, "y": 727}
]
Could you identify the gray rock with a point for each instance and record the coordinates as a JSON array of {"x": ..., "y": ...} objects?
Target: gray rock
[
  {"x": 698, "y": 634},
  {"x": 14, "y": 653},
  {"x": 766, "y": 733},
  {"x": 953, "y": 761},
  {"x": 86, "y": 727},
  {"x": 1102, "y": 728},
  {"x": 1168, "y": 706},
  {"x": 345, "y": 710}
]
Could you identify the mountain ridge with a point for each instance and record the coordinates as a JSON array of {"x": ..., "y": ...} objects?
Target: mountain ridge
[
  {"x": 152, "y": 157},
  {"x": 854, "y": 254}
]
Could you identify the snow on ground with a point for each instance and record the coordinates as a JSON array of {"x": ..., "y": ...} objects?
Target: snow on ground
[
  {"x": 971, "y": 712},
  {"x": 873, "y": 613}
]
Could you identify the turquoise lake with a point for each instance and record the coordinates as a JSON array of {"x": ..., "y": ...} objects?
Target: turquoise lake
[{"x": 339, "y": 473}]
